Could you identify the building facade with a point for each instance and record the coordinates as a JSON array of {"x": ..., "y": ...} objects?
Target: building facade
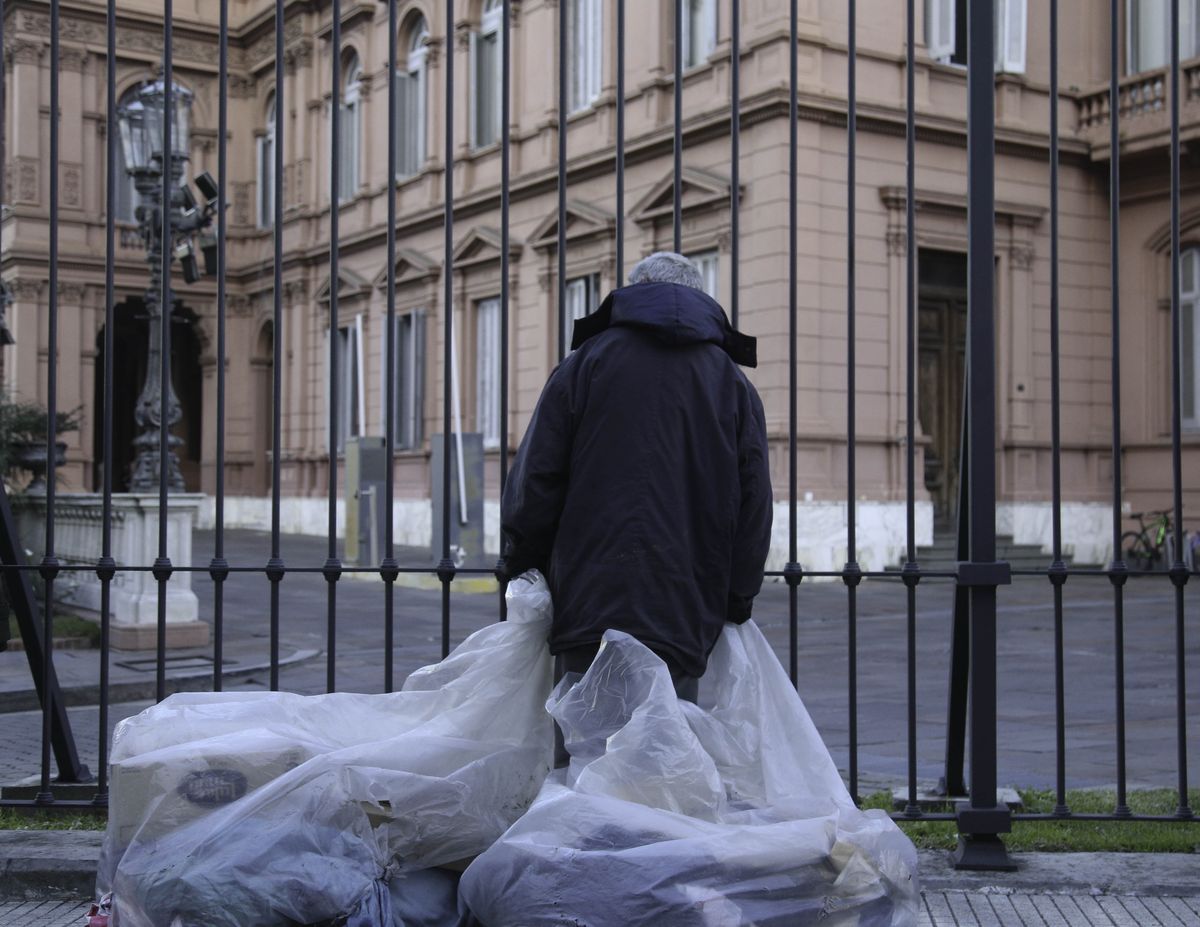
[{"x": 1022, "y": 241}]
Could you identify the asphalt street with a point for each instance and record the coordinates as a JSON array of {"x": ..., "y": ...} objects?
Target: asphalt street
[{"x": 1026, "y": 691}]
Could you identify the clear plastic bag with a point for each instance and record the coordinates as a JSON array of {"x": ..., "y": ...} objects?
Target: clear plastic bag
[
  {"x": 237, "y": 808},
  {"x": 670, "y": 814}
]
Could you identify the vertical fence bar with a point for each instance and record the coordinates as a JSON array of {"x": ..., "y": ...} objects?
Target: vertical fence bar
[
  {"x": 1058, "y": 569},
  {"x": 333, "y": 568},
  {"x": 911, "y": 572},
  {"x": 218, "y": 569},
  {"x": 388, "y": 569},
  {"x": 792, "y": 572},
  {"x": 162, "y": 565},
  {"x": 105, "y": 566},
  {"x": 677, "y": 200},
  {"x": 563, "y": 335},
  {"x": 852, "y": 574},
  {"x": 980, "y": 821},
  {"x": 735, "y": 156},
  {"x": 505, "y": 170},
  {"x": 49, "y": 565},
  {"x": 620, "y": 153},
  {"x": 445, "y": 568},
  {"x": 1117, "y": 572},
  {"x": 275, "y": 566},
  {"x": 1178, "y": 570}
]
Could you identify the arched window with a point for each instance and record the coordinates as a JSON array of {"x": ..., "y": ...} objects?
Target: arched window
[
  {"x": 699, "y": 31},
  {"x": 485, "y": 76},
  {"x": 349, "y": 130},
  {"x": 265, "y": 169},
  {"x": 411, "y": 95},
  {"x": 586, "y": 32},
  {"x": 1189, "y": 337}
]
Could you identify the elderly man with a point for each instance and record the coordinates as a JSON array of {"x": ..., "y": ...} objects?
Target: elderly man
[{"x": 641, "y": 489}]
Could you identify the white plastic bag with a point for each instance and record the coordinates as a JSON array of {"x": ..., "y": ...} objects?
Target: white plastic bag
[
  {"x": 673, "y": 815},
  {"x": 237, "y": 808}
]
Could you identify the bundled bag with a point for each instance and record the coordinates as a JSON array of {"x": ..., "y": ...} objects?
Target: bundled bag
[
  {"x": 670, "y": 814},
  {"x": 267, "y": 808}
]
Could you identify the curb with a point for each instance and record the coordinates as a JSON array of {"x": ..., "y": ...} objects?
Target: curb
[
  {"x": 1152, "y": 874},
  {"x": 144, "y": 689},
  {"x": 48, "y": 865}
]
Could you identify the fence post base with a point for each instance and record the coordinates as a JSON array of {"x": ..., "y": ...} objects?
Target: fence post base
[{"x": 979, "y": 843}]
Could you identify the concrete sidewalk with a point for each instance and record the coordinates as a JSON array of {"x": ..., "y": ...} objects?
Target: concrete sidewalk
[{"x": 47, "y": 873}]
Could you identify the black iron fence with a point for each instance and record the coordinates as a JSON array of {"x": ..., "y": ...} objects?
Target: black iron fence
[{"x": 978, "y": 575}]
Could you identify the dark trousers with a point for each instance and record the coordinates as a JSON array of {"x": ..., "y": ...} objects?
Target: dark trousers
[{"x": 579, "y": 659}]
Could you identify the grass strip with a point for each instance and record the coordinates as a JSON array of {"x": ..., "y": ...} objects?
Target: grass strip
[{"x": 1067, "y": 836}]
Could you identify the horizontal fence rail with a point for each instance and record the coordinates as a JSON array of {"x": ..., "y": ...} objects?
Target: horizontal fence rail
[{"x": 978, "y": 577}]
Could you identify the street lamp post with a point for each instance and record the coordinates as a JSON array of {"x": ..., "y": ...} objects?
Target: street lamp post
[{"x": 141, "y": 126}]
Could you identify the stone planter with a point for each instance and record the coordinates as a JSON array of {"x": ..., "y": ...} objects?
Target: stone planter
[
  {"x": 31, "y": 456},
  {"x": 78, "y": 521}
]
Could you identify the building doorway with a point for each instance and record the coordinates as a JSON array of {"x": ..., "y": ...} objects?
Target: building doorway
[
  {"x": 941, "y": 349},
  {"x": 129, "y": 373}
]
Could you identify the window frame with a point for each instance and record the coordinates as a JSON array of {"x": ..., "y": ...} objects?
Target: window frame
[
  {"x": 586, "y": 47},
  {"x": 708, "y": 262},
  {"x": 350, "y": 178},
  {"x": 584, "y": 290},
  {"x": 352, "y": 421},
  {"x": 265, "y": 170},
  {"x": 408, "y": 426},
  {"x": 487, "y": 370},
  {"x": 709, "y": 19},
  {"x": 1189, "y": 304},
  {"x": 412, "y": 85},
  {"x": 1189, "y": 32},
  {"x": 489, "y": 31}
]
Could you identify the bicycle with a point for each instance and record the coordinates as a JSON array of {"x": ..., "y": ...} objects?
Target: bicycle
[{"x": 1152, "y": 544}]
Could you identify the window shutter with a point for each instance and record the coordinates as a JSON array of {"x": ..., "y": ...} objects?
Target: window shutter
[
  {"x": 1010, "y": 36},
  {"x": 939, "y": 28},
  {"x": 418, "y": 378}
]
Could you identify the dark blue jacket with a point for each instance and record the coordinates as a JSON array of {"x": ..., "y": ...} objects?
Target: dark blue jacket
[{"x": 641, "y": 489}]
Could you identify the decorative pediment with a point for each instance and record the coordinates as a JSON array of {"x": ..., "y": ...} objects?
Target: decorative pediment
[
  {"x": 411, "y": 267},
  {"x": 350, "y": 285},
  {"x": 480, "y": 246},
  {"x": 700, "y": 190},
  {"x": 895, "y": 200},
  {"x": 583, "y": 221}
]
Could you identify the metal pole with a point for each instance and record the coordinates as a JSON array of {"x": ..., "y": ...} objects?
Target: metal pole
[
  {"x": 388, "y": 569},
  {"x": 332, "y": 568},
  {"x": 851, "y": 574},
  {"x": 981, "y": 820},
  {"x": 792, "y": 571},
  {"x": 275, "y": 567},
  {"x": 445, "y": 568},
  {"x": 505, "y": 171},
  {"x": 677, "y": 201}
]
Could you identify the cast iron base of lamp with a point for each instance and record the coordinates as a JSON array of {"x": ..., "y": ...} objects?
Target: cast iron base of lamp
[{"x": 147, "y": 467}]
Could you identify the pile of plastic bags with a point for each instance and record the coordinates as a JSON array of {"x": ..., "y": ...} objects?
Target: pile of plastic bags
[{"x": 274, "y": 809}]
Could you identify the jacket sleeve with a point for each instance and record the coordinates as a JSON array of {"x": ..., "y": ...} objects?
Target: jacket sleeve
[
  {"x": 752, "y": 539},
  {"x": 537, "y": 484}
]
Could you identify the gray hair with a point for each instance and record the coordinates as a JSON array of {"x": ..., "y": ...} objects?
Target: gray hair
[{"x": 667, "y": 267}]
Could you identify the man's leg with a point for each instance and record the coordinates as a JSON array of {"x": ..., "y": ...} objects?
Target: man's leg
[{"x": 575, "y": 660}]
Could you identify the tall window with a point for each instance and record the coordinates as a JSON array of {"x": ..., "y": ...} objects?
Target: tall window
[
  {"x": 411, "y": 95},
  {"x": 485, "y": 77},
  {"x": 707, "y": 262},
  {"x": 350, "y": 129},
  {"x": 266, "y": 169},
  {"x": 350, "y": 397},
  {"x": 487, "y": 366},
  {"x": 1149, "y": 33},
  {"x": 409, "y": 380},
  {"x": 699, "y": 31},
  {"x": 1189, "y": 336},
  {"x": 946, "y": 32},
  {"x": 583, "y": 298},
  {"x": 586, "y": 33}
]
